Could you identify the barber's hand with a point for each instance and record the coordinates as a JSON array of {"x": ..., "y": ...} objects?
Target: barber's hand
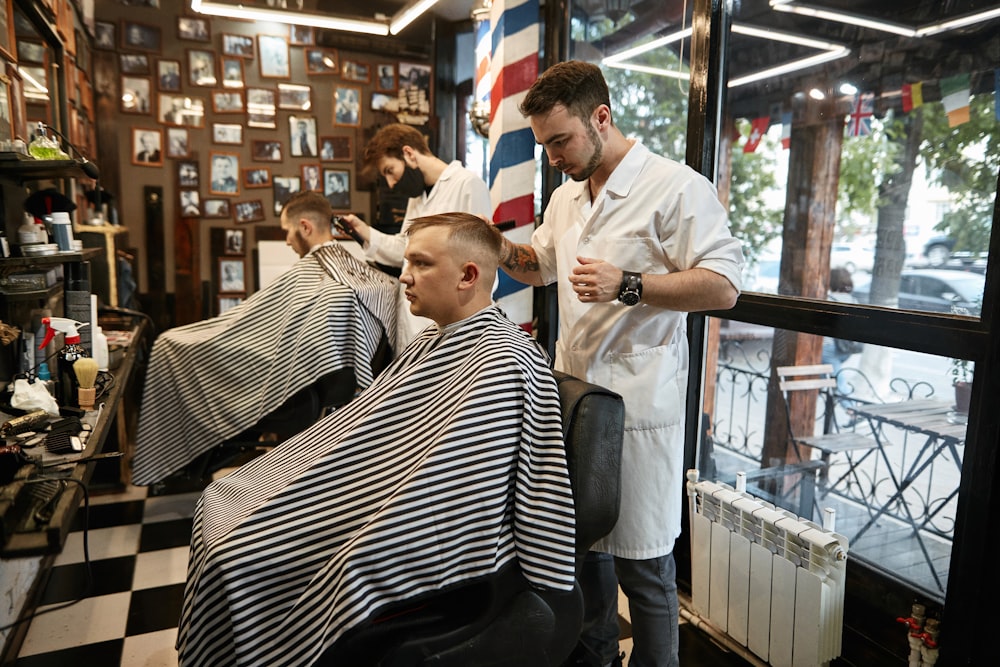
[
  {"x": 594, "y": 280},
  {"x": 358, "y": 225}
]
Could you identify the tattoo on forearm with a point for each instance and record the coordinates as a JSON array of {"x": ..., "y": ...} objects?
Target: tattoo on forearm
[{"x": 518, "y": 257}]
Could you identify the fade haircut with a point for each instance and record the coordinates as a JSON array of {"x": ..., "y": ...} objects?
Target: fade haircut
[
  {"x": 578, "y": 86},
  {"x": 308, "y": 204},
  {"x": 389, "y": 142},
  {"x": 467, "y": 233}
]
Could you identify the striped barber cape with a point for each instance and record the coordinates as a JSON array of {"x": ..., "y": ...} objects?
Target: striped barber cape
[
  {"x": 449, "y": 466},
  {"x": 211, "y": 380}
]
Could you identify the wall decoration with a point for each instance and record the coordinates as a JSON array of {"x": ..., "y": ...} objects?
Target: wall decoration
[
  {"x": 311, "y": 179},
  {"x": 18, "y": 113},
  {"x": 228, "y": 301},
  {"x": 352, "y": 70},
  {"x": 194, "y": 29},
  {"x": 177, "y": 142},
  {"x": 302, "y": 132},
  {"x": 265, "y": 150},
  {"x": 201, "y": 67},
  {"x": 274, "y": 59},
  {"x": 231, "y": 278},
  {"x": 30, "y": 51},
  {"x": 285, "y": 187},
  {"x": 335, "y": 149},
  {"x": 383, "y": 102},
  {"x": 147, "y": 147},
  {"x": 136, "y": 94},
  {"x": 181, "y": 110},
  {"x": 104, "y": 36},
  {"x": 140, "y": 36},
  {"x": 168, "y": 75},
  {"x": 6, "y": 117},
  {"x": 234, "y": 242},
  {"x": 225, "y": 167},
  {"x": 6, "y": 29},
  {"x": 216, "y": 208},
  {"x": 237, "y": 45},
  {"x": 385, "y": 79},
  {"x": 227, "y": 101},
  {"x": 322, "y": 61},
  {"x": 294, "y": 96},
  {"x": 227, "y": 133},
  {"x": 301, "y": 35},
  {"x": 189, "y": 204},
  {"x": 414, "y": 93},
  {"x": 347, "y": 106},
  {"x": 232, "y": 72},
  {"x": 261, "y": 108},
  {"x": 257, "y": 177},
  {"x": 187, "y": 174},
  {"x": 134, "y": 63},
  {"x": 248, "y": 211},
  {"x": 337, "y": 187}
]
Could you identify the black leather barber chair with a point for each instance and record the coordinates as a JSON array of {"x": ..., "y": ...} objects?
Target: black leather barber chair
[{"x": 503, "y": 621}]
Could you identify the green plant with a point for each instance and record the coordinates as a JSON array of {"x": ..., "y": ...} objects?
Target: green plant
[{"x": 962, "y": 370}]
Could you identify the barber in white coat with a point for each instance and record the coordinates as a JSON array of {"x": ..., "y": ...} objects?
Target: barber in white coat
[{"x": 634, "y": 242}]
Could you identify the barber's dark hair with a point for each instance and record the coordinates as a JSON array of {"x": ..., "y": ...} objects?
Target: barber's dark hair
[
  {"x": 467, "y": 230},
  {"x": 389, "y": 142},
  {"x": 578, "y": 86},
  {"x": 310, "y": 204}
]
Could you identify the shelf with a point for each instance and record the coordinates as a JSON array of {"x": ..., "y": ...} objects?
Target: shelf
[
  {"x": 12, "y": 264},
  {"x": 21, "y": 168}
]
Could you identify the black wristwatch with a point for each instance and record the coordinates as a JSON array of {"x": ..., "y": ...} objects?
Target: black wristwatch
[{"x": 631, "y": 289}]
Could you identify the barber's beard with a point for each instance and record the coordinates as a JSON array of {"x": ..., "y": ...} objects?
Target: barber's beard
[{"x": 595, "y": 157}]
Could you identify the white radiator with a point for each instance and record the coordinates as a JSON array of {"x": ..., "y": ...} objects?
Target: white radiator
[{"x": 770, "y": 580}]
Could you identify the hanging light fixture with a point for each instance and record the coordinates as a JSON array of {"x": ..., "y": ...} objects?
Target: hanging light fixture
[{"x": 617, "y": 9}]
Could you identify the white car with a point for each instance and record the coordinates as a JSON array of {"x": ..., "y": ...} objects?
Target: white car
[{"x": 857, "y": 256}]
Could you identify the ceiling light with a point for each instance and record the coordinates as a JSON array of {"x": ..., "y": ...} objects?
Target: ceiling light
[
  {"x": 407, "y": 15},
  {"x": 848, "y": 89},
  {"x": 817, "y": 94},
  {"x": 279, "y": 16},
  {"x": 885, "y": 26}
]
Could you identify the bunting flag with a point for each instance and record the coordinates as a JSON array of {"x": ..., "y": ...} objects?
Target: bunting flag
[
  {"x": 758, "y": 128},
  {"x": 996, "y": 93},
  {"x": 955, "y": 97},
  {"x": 913, "y": 96},
  {"x": 786, "y": 130},
  {"x": 860, "y": 121}
]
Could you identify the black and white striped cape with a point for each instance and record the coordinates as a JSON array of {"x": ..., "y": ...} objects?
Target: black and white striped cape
[
  {"x": 211, "y": 380},
  {"x": 450, "y": 465}
]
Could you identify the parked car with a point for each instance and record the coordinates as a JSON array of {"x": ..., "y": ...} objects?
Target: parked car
[
  {"x": 762, "y": 275},
  {"x": 935, "y": 290},
  {"x": 938, "y": 249},
  {"x": 852, "y": 256}
]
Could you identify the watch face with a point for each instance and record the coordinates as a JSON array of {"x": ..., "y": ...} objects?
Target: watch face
[{"x": 629, "y": 297}]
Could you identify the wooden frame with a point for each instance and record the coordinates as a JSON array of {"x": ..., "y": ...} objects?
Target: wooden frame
[
  {"x": 181, "y": 110},
  {"x": 6, "y": 110},
  {"x": 385, "y": 77},
  {"x": 231, "y": 275},
  {"x": 347, "y": 106},
  {"x": 217, "y": 208},
  {"x": 251, "y": 210},
  {"x": 265, "y": 150},
  {"x": 7, "y": 43},
  {"x": 302, "y": 136},
  {"x": 177, "y": 142},
  {"x": 294, "y": 97},
  {"x": 18, "y": 113},
  {"x": 273, "y": 57},
  {"x": 234, "y": 243},
  {"x": 168, "y": 75},
  {"x": 193, "y": 29},
  {"x": 232, "y": 72},
  {"x": 188, "y": 174},
  {"x": 141, "y": 36},
  {"x": 137, "y": 95},
  {"x": 284, "y": 188},
  {"x": 104, "y": 35},
  {"x": 147, "y": 147},
  {"x": 335, "y": 149},
  {"x": 241, "y": 46},
  {"x": 228, "y": 101},
  {"x": 257, "y": 177},
  {"x": 355, "y": 71},
  {"x": 301, "y": 35},
  {"x": 133, "y": 63},
  {"x": 311, "y": 177},
  {"x": 229, "y": 134},
  {"x": 262, "y": 109},
  {"x": 189, "y": 204},
  {"x": 224, "y": 171},
  {"x": 322, "y": 61},
  {"x": 201, "y": 68},
  {"x": 337, "y": 188}
]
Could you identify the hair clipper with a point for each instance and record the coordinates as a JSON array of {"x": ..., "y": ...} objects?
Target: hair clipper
[
  {"x": 339, "y": 223},
  {"x": 29, "y": 422}
]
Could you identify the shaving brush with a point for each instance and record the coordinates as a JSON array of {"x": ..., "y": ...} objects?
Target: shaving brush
[{"x": 86, "y": 374}]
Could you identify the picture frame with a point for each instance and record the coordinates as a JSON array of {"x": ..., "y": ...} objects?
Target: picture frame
[
  {"x": 228, "y": 301},
  {"x": 147, "y": 147},
  {"x": 251, "y": 210},
  {"x": 322, "y": 61},
  {"x": 294, "y": 97},
  {"x": 6, "y": 111},
  {"x": 353, "y": 70},
  {"x": 337, "y": 187},
  {"x": 134, "y": 63},
  {"x": 257, "y": 177},
  {"x": 224, "y": 170},
  {"x": 177, "y": 142},
  {"x": 141, "y": 36},
  {"x": 232, "y": 72},
  {"x": 335, "y": 149},
  {"x": 7, "y": 31},
  {"x": 381, "y": 101},
  {"x": 274, "y": 57},
  {"x": 262, "y": 110},
  {"x": 311, "y": 177},
  {"x": 201, "y": 68},
  {"x": 136, "y": 95},
  {"x": 234, "y": 243},
  {"x": 231, "y": 276},
  {"x": 228, "y": 101},
  {"x": 385, "y": 77},
  {"x": 188, "y": 174},
  {"x": 18, "y": 113},
  {"x": 216, "y": 208},
  {"x": 180, "y": 110},
  {"x": 193, "y": 29},
  {"x": 347, "y": 106},
  {"x": 284, "y": 188},
  {"x": 302, "y": 136},
  {"x": 241, "y": 46},
  {"x": 413, "y": 91},
  {"x": 189, "y": 203},
  {"x": 265, "y": 150},
  {"x": 301, "y": 35},
  {"x": 168, "y": 75},
  {"x": 104, "y": 35},
  {"x": 30, "y": 51},
  {"x": 229, "y": 134}
]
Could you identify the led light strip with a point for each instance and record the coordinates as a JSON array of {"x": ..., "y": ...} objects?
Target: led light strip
[
  {"x": 885, "y": 26},
  {"x": 397, "y": 23}
]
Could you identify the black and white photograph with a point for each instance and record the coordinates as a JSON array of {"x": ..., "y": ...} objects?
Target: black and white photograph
[
  {"x": 187, "y": 174},
  {"x": 302, "y": 133},
  {"x": 382, "y": 101},
  {"x": 216, "y": 208},
  {"x": 147, "y": 147},
  {"x": 414, "y": 90},
  {"x": 227, "y": 133},
  {"x": 248, "y": 211},
  {"x": 225, "y": 169},
  {"x": 201, "y": 67},
  {"x": 190, "y": 204},
  {"x": 231, "y": 277},
  {"x": 335, "y": 149},
  {"x": 6, "y": 121},
  {"x": 352, "y": 70},
  {"x": 262, "y": 109},
  {"x": 285, "y": 187},
  {"x": 347, "y": 106},
  {"x": 181, "y": 110},
  {"x": 30, "y": 51},
  {"x": 136, "y": 93},
  {"x": 134, "y": 63},
  {"x": 257, "y": 177},
  {"x": 301, "y": 35},
  {"x": 168, "y": 75},
  {"x": 265, "y": 150},
  {"x": 194, "y": 29},
  {"x": 234, "y": 242},
  {"x": 337, "y": 187},
  {"x": 227, "y": 101},
  {"x": 273, "y": 60},
  {"x": 386, "y": 79},
  {"x": 177, "y": 142},
  {"x": 240, "y": 46},
  {"x": 104, "y": 36},
  {"x": 140, "y": 37},
  {"x": 227, "y": 302},
  {"x": 294, "y": 97},
  {"x": 322, "y": 61},
  {"x": 232, "y": 72},
  {"x": 311, "y": 178}
]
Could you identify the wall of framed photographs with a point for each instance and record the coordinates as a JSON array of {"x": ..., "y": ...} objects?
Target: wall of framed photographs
[{"x": 233, "y": 117}]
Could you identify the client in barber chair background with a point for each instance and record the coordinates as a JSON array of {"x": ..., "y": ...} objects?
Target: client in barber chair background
[
  {"x": 448, "y": 467},
  {"x": 211, "y": 380}
]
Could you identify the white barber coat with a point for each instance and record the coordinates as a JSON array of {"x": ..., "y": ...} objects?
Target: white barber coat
[
  {"x": 654, "y": 216},
  {"x": 457, "y": 189}
]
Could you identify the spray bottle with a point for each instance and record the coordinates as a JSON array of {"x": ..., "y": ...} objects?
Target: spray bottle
[{"x": 72, "y": 350}]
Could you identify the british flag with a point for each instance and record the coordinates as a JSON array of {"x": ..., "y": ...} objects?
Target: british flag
[{"x": 859, "y": 123}]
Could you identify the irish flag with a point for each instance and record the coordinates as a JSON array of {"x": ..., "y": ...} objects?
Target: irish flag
[{"x": 955, "y": 97}]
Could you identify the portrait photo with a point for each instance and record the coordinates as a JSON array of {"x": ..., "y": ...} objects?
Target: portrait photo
[
  {"x": 352, "y": 70},
  {"x": 216, "y": 208},
  {"x": 104, "y": 36},
  {"x": 189, "y": 203},
  {"x": 134, "y": 63},
  {"x": 227, "y": 101},
  {"x": 285, "y": 187},
  {"x": 136, "y": 93},
  {"x": 228, "y": 302},
  {"x": 347, "y": 106},
  {"x": 231, "y": 277},
  {"x": 168, "y": 75},
  {"x": 181, "y": 110},
  {"x": 311, "y": 178},
  {"x": 265, "y": 150},
  {"x": 386, "y": 79},
  {"x": 294, "y": 97},
  {"x": 187, "y": 174},
  {"x": 240, "y": 46},
  {"x": 234, "y": 242},
  {"x": 274, "y": 59},
  {"x": 337, "y": 187},
  {"x": 257, "y": 177},
  {"x": 140, "y": 37},
  {"x": 302, "y": 133},
  {"x": 248, "y": 211},
  {"x": 225, "y": 168},
  {"x": 335, "y": 149},
  {"x": 232, "y": 72},
  {"x": 147, "y": 147},
  {"x": 301, "y": 35},
  {"x": 322, "y": 61},
  {"x": 227, "y": 133},
  {"x": 201, "y": 67},
  {"x": 177, "y": 142},
  {"x": 262, "y": 110},
  {"x": 194, "y": 29}
]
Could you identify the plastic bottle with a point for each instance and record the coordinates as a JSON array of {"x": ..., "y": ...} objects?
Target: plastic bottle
[
  {"x": 72, "y": 350},
  {"x": 27, "y": 233},
  {"x": 45, "y": 376},
  {"x": 62, "y": 230},
  {"x": 101, "y": 353}
]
